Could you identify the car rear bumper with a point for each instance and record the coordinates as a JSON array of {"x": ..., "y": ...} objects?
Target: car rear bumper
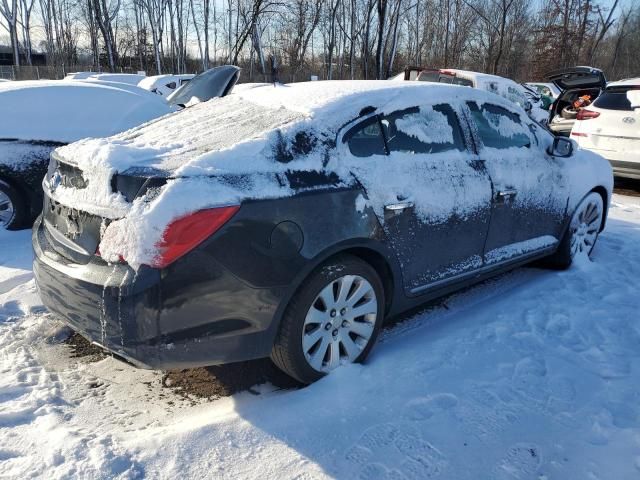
[{"x": 127, "y": 313}]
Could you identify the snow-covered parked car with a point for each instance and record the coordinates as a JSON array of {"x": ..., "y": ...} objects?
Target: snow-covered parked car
[
  {"x": 78, "y": 75},
  {"x": 164, "y": 85},
  {"x": 289, "y": 221},
  {"x": 38, "y": 116},
  {"x": 580, "y": 86},
  {"x": 128, "y": 78},
  {"x": 502, "y": 86},
  {"x": 610, "y": 126}
]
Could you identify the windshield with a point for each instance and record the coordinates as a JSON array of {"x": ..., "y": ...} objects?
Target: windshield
[
  {"x": 614, "y": 100},
  {"x": 216, "y": 82}
]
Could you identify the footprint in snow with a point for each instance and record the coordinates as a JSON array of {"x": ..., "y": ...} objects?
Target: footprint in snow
[
  {"x": 522, "y": 462},
  {"x": 426, "y": 407}
]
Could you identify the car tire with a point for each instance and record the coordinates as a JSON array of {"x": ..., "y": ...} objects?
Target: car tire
[
  {"x": 568, "y": 113},
  {"x": 13, "y": 209},
  {"x": 334, "y": 318},
  {"x": 582, "y": 232}
]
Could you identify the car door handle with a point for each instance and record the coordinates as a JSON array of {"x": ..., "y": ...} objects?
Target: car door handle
[
  {"x": 507, "y": 193},
  {"x": 398, "y": 207}
]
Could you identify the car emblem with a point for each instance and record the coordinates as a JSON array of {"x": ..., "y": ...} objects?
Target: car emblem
[
  {"x": 629, "y": 120},
  {"x": 55, "y": 181}
]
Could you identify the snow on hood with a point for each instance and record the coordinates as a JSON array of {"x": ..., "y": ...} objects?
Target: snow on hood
[
  {"x": 66, "y": 111},
  {"x": 263, "y": 130}
]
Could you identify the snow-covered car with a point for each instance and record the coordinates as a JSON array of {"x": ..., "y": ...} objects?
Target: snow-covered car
[
  {"x": 128, "y": 78},
  {"x": 78, "y": 75},
  {"x": 502, "y": 86},
  {"x": 164, "y": 85},
  {"x": 289, "y": 221},
  {"x": 38, "y": 116},
  {"x": 580, "y": 86},
  {"x": 610, "y": 126}
]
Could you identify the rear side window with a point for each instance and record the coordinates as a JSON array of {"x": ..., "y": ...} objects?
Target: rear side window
[
  {"x": 365, "y": 139},
  {"x": 613, "y": 100},
  {"x": 499, "y": 127},
  {"x": 423, "y": 130}
]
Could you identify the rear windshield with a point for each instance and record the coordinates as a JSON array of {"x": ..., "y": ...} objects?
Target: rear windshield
[{"x": 614, "y": 100}]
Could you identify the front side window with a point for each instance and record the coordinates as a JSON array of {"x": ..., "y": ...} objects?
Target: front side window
[
  {"x": 498, "y": 127},
  {"x": 423, "y": 130},
  {"x": 365, "y": 139}
]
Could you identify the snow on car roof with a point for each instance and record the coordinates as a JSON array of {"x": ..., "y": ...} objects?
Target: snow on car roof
[
  {"x": 199, "y": 140},
  {"x": 130, "y": 78},
  {"x": 627, "y": 82},
  {"x": 66, "y": 111}
]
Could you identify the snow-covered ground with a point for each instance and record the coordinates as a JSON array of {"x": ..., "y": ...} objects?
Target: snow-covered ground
[{"x": 533, "y": 375}]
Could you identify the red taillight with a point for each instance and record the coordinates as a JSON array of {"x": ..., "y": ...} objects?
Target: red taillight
[
  {"x": 578, "y": 134},
  {"x": 186, "y": 233},
  {"x": 584, "y": 114}
]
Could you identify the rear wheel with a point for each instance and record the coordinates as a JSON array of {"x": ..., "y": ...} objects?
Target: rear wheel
[
  {"x": 13, "y": 209},
  {"x": 334, "y": 319},
  {"x": 582, "y": 233}
]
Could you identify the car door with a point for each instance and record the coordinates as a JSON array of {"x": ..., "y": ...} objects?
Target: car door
[
  {"x": 529, "y": 191},
  {"x": 433, "y": 196}
]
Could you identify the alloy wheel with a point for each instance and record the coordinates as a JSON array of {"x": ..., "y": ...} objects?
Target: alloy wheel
[
  {"x": 7, "y": 210},
  {"x": 340, "y": 323},
  {"x": 585, "y": 225}
]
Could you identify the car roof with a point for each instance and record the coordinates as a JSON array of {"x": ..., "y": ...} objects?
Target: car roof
[
  {"x": 201, "y": 138},
  {"x": 627, "y": 82},
  {"x": 314, "y": 98}
]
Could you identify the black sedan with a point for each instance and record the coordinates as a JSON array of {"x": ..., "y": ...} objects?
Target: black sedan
[{"x": 290, "y": 221}]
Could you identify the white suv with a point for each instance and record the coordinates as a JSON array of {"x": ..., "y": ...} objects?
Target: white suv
[{"x": 611, "y": 127}]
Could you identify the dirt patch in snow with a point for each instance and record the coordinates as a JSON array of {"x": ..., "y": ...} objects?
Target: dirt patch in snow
[
  {"x": 82, "y": 348},
  {"x": 225, "y": 380}
]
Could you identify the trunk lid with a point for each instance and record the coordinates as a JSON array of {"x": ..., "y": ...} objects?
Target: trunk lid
[
  {"x": 578, "y": 77},
  {"x": 75, "y": 233},
  {"x": 215, "y": 82}
]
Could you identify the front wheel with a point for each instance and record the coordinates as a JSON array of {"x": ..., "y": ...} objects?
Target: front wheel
[
  {"x": 334, "y": 319},
  {"x": 13, "y": 209},
  {"x": 582, "y": 233}
]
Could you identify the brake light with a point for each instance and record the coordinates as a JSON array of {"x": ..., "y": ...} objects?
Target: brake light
[
  {"x": 186, "y": 233},
  {"x": 578, "y": 134},
  {"x": 584, "y": 114}
]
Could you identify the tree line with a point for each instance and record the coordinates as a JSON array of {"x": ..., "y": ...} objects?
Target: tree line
[{"x": 333, "y": 39}]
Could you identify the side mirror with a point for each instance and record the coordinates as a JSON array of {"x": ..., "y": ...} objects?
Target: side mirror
[
  {"x": 562, "y": 147},
  {"x": 528, "y": 106}
]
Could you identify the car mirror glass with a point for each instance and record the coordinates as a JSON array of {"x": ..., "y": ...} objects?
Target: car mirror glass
[{"x": 562, "y": 147}]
